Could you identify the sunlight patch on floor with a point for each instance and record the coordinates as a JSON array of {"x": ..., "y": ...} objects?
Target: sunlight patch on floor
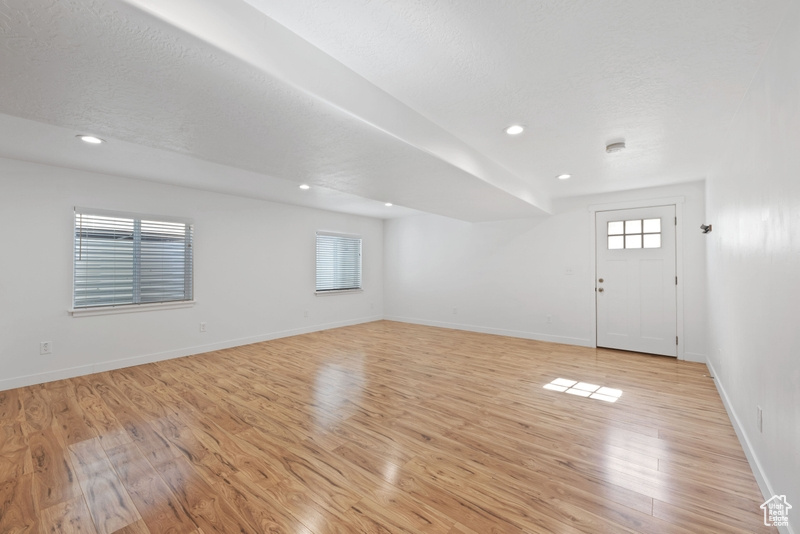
[{"x": 584, "y": 389}]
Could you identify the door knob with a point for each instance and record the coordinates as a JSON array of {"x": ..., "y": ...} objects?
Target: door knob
[{"x": 600, "y": 290}]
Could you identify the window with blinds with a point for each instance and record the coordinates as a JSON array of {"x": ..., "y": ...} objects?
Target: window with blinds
[
  {"x": 121, "y": 260},
  {"x": 338, "y": 262}
]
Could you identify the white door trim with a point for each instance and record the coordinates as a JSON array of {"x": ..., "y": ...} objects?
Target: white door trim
[{"x": 630, "y": 204}]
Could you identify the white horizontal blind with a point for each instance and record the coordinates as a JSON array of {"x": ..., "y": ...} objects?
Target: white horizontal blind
[
  {"x": 338, "y": 262},
  {"x": 126, "y": 260}
]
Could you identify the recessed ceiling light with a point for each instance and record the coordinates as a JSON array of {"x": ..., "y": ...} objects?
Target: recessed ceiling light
[
  {"x": 515, "y": 129},
  {"x": 564, "y": 176},
  {"x": 305, "y": 186},
  {"x": 616, "y": 146},
  {"x": 388, "y": 204},
  {"x": 90, "y": 139}
]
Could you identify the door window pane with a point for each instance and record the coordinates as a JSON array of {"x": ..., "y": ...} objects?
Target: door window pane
[
  {"x": 633, "y": 227},
  {"x": 633, "y": 241},
  {"x": 616, "y": 242},
  {"x": 652, "y": 226},
  {"x": 616, "y": 228},
  {"x": 652, "y": 241}
]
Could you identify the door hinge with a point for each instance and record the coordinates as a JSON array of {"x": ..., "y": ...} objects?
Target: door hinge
[
  {"x": 676, "y": 221},
  {"x": 676, "y": 340},
  {"x": 676, "y": 280}
]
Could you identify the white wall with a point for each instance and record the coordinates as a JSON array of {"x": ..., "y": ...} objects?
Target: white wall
[
  {"x": 254, "y": 274},
  {"x": 507, "y": 277},
  {"x": 753, "y": 201}
]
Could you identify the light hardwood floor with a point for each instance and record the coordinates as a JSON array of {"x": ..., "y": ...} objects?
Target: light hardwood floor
[{"x": 381, "y": 427}]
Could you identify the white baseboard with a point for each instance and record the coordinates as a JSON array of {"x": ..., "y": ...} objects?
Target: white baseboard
[
  {"x": 497, "y": 331},
  {"x": 695, "y": 357},
  {"x": 752, "y": 459},
  {"x": 71, "y": 372}
]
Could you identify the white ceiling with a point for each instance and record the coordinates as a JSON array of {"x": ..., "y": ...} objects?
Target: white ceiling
[{"x": 373, "y": 101}]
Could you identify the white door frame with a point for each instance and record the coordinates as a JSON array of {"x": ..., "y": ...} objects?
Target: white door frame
[{"x": 632, "y": 204}]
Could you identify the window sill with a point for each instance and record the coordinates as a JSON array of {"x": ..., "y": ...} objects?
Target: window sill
[
  {"x": 337, "y": 292},
  {"x": 130, "y": 308}
]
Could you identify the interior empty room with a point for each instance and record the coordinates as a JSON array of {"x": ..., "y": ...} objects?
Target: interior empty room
[{"x": 385, "y": 266}]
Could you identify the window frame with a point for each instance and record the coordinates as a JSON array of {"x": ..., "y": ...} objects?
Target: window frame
[
  {"x": 323, "y": 292},
  {"x": 641, "y": 234},
  {"x": 107, "y": 309}
]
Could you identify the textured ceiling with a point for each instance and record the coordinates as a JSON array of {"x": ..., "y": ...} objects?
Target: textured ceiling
[
  {"x": 384, "y": 100},
  {"x": 22, "y": 139},
  {"x": 665, "y": 76}
]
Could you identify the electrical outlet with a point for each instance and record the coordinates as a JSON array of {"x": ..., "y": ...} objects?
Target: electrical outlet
[
  {"x": 455, "y": 311},
  {"x": 202, "y": 327},
  {"x": 305, "y": 314},
  {"x": 760, "y": 419},
  {"x": 549, "y": 318},
  {"x": 45, "y": 347}
]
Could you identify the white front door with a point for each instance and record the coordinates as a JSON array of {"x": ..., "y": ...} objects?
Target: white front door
[{"x": 635, "y": 281}]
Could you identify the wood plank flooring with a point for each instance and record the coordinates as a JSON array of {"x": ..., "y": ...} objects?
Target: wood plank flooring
[{"x": 382, "y": 427}]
